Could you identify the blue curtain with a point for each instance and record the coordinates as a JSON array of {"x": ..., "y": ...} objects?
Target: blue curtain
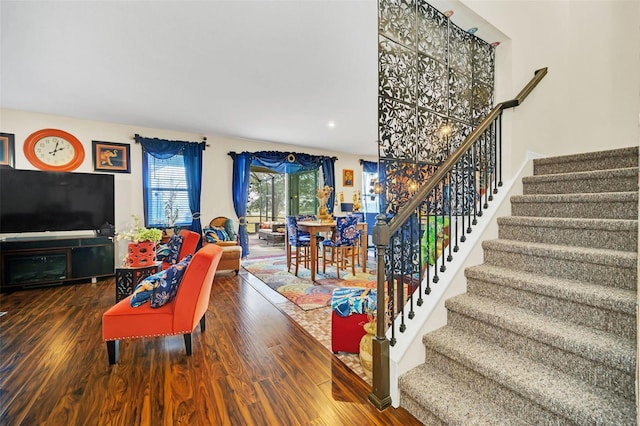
[
  {"x": 287, "y": 162},
  {"x": 192, "y": 153},
  {"x": 240, "y": 193},
  {"x": 192, "y": 156},
  {"x": 292, "y": 162},
  {"x": 329, "y": 173},
  {"x": 382, "y": 178},
  {"x": 369, "y": 166}
]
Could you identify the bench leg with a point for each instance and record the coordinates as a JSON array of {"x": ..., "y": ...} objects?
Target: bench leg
[
  {"x": 203, "y": 324},
  {"x": 112, "y": 351},
  {"x": 187, "y": 342}
]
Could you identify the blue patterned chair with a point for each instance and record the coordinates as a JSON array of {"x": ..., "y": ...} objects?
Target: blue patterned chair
[
  {"x": 300, "y": 243},
  {"x": 343, "y": 246}
]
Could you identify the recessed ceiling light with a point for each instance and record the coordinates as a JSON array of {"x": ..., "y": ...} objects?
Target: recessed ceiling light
[{"x": 331, "y": 124}]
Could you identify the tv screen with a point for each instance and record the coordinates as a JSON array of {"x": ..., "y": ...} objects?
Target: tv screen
[{"x": 35, "y": 201}]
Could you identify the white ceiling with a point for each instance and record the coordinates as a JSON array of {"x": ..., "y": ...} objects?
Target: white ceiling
[{"x": 274, "y": 71}]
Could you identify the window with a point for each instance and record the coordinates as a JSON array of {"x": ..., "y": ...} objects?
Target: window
[
  {"x": 266, "y": 195},
  {"x": 370, "y": 200},
  {"x": 302, "y": 192},
  {"x": 166, "y": 197}
]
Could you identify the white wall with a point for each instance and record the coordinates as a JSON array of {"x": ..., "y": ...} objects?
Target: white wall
[
  {"x": 590, "y": 99},
  {"x": 217, "y": 164}
]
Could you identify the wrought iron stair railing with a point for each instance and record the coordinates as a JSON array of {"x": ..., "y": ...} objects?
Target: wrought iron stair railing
[{"x": 414, "y": 246}]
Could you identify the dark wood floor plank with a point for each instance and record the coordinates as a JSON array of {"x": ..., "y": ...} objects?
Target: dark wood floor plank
[{"x": 252, "y": 366}]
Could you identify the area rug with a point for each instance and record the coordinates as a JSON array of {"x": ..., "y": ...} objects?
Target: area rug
[{"x": 301, "y": 290}]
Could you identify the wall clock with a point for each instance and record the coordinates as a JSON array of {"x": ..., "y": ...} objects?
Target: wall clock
[{"x": 53, "y": 149}]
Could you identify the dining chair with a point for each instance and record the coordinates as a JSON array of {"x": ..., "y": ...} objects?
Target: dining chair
[
  {"x": 359, "y": 248},
  {"x": 343, "y": 245},
  {"x": 301, "y": 244}
]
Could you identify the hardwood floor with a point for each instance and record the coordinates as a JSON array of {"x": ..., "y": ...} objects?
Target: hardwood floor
[{"x": 252, "y": 366}]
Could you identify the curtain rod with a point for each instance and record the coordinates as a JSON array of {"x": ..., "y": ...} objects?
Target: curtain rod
[
  {"x": 284, "y": 152},
  {"x": 204, "y": 139}
]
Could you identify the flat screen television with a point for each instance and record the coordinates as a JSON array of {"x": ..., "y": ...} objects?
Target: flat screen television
[{"x": 36, "y": 201}]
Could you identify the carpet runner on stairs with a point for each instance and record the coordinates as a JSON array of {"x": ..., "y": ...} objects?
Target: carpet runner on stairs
[{"x": 546, "y": 333}]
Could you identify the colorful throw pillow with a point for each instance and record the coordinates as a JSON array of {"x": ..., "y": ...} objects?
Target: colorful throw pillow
[
  {"x": 228, "y": 226},
  {"x": 174, "y": 244},
  {"x": 346, "y": 301},
  {"x": 216, "y": 234},
  {"x": 162, "y": 251},
  {"x": 142, "y": 292},
  {"x": 167, "y": 288}
]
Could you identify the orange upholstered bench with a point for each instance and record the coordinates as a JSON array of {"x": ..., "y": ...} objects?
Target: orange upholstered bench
[{"x": 179, "y": 316}]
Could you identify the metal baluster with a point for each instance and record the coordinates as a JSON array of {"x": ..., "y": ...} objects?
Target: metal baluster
[
  {"x": 427, "y": 266},
  {"x": 474, "y": 168},
  {"x": 465, "y": 182},
  {"x": 390, "y": 290},
  {"x": 494, "y": 181},
  {"x": 420, "y": 300},
  {"x": 499, "y": 136},
  {"x": 485, "y": 165},
  {"x": 481, "y": 172},
  {"x": 435, "y": 233},
  {"x": 455, "y": 194},
  {"x": 448, "y": 206},
  {"x": 442, "y": 266},
  {"x": 412, "y": 245},
  {"x": 400, "y": 286}
]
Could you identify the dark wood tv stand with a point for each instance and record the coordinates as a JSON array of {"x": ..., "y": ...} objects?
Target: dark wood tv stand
[{"x": 44, "y": 261}]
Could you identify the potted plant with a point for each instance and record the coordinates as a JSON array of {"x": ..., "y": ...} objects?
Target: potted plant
[
  {"x": 171, "y": 212},
  {"x": 141, "y": 250}
]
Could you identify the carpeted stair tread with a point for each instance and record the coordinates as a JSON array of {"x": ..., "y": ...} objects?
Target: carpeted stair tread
[
  {"x": 452, "y": 401},
  {"x": 624, "y": 259},
  {"x": 616, "y": 234},
  {"x": 599, "y": 160},
  {"x": 604, "y": 297},
  {"x": 586, "y": 224},
  {"x": 586, "y": 197},
  {"x": 606, "y": 205},
  {"x": 550, "y": 388},
  {"x": 591, "y": 344},
  {"x": 625, "y": 179}
]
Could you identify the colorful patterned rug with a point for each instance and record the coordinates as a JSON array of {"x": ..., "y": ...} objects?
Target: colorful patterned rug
[{"x": 301, "y": 290}]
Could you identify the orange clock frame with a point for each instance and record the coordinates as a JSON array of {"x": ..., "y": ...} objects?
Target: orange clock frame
[{"x": 33, "y": 138}]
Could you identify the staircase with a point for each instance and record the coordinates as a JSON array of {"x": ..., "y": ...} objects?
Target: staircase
[{"x": 546, "y": 333}]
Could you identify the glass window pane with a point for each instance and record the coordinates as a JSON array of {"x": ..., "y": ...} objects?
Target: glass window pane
[
  {"x": 167, "y": 195},
  {"x": 370, "y": 202}
]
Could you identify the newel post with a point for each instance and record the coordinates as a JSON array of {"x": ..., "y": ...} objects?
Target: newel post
[{"x": 380, "y": 396}]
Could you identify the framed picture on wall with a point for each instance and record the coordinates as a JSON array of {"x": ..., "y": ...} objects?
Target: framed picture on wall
[
  {"x": 7, "y": 153},
  {"x": 347, "y": 177},
  {"x": 111, "y": 157}
]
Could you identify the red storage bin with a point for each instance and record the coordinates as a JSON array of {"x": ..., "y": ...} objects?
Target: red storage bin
[
  {"x": 346, "y": 332},
  {"x": 350, "y": 306}
]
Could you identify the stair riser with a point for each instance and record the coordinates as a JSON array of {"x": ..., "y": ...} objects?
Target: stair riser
[
  {"x": 618, "y": 184},
  {"x": 592, "y": 209},
  {"x": 588, "y": 371},
  {"x": 512, "y": 401},
  {"x": 586, "y": 162},
  {"x": 613, "y": 275},
  {"x": 618, "y": 323},
  {"x": 418, "y": 411},
  {"x": 594, "y": 238}
]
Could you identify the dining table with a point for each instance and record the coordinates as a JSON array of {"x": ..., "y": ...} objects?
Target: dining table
[{"x": 313, "y": 227}]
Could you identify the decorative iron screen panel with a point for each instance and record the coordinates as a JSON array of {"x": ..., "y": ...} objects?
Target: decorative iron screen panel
[{"x": 432, "y": 74}]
